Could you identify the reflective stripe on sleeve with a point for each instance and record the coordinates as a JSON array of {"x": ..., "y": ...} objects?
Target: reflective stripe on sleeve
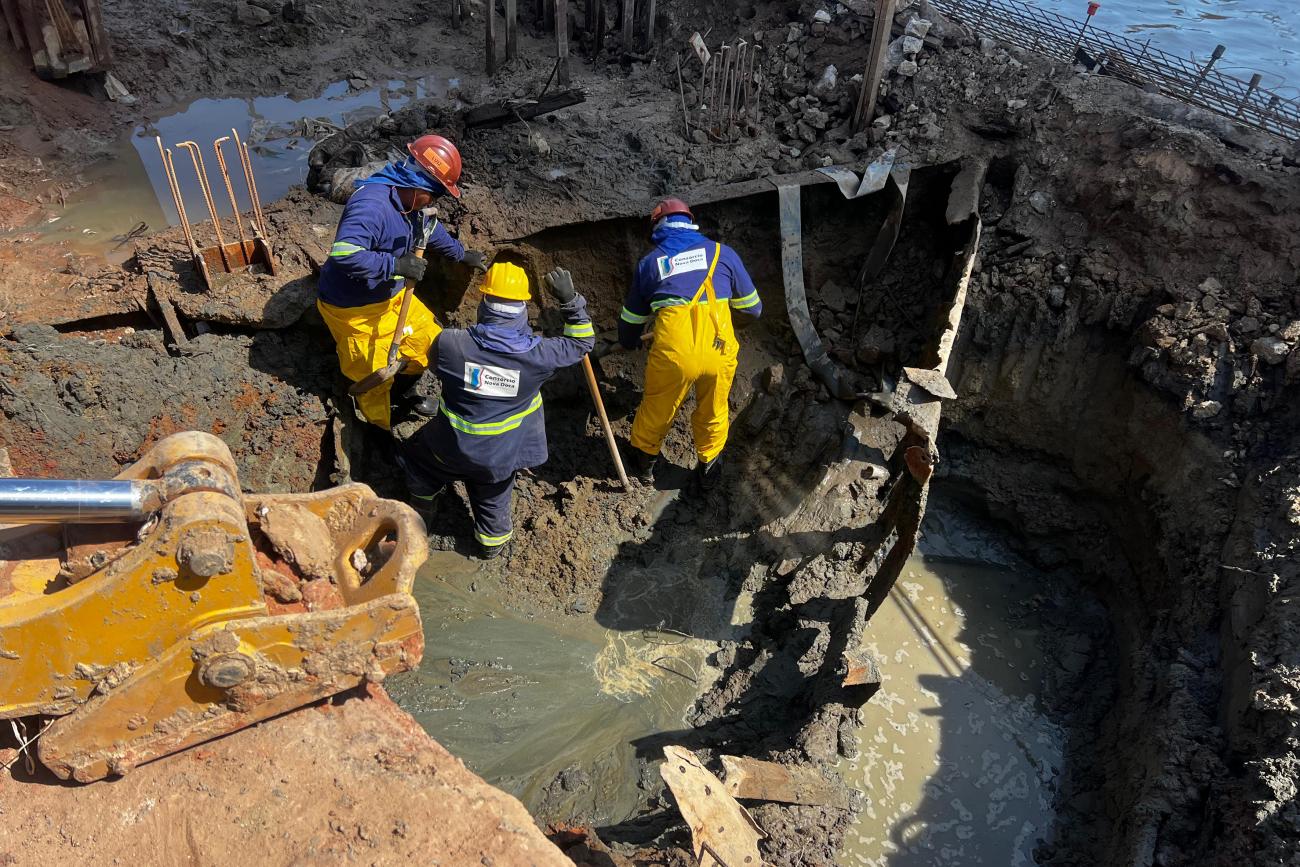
[
  {"x": 633, "y": 318},
  {"x": 343, "y": 248},
  {"x": 580, "y": 329},
  {"x": 493, "y": 428},
  {"x": 745, "y": 301}
]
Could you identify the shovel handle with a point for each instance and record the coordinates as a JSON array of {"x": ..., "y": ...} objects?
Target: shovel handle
[
  {"x": 409, "y": 293},
  {"x": 604, "y": 422}
]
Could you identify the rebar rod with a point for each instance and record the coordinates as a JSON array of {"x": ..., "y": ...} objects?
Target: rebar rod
[
  {"x": 230, "y": 191},
  {"x": 196, "y": 156},
  {"x": 169, "y": 172},
  {"x": 246, "y": 161}
]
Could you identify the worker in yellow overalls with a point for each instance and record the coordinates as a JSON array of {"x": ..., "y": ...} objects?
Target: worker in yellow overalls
[
  {"x": 689, "y": 285},
  {"x": 361, "y": 282}
]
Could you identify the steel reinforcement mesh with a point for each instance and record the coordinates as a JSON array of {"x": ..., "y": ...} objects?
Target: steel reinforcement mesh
[{"x": 1048, "y": 33}]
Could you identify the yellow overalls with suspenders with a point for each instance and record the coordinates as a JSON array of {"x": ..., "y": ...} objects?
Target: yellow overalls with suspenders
[{"x": 694, "y": 345}]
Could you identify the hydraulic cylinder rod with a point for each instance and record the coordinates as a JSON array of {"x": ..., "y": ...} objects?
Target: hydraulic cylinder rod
[{"x": 57, "y": 501}]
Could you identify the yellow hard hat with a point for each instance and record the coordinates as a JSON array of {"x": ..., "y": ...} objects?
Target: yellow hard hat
[{"x": 507, "y": 280}]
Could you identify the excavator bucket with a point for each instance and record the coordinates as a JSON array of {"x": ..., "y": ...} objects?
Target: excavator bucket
[{"x": 188, "y": 610}]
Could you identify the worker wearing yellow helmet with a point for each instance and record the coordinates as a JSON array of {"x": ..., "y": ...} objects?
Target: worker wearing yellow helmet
[{"x": 490, "y": 422}]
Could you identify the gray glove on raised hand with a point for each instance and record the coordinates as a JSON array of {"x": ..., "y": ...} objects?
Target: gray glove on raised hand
[
  {"x": 560, "y": 284},
  {"x": 411, "y": 266}
]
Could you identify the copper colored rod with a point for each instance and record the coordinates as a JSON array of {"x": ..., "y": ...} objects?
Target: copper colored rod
[
  {"x": 230, "y": 191},
  {"x": 196, "y": 156},
  {"x": 169, "y": 172}
]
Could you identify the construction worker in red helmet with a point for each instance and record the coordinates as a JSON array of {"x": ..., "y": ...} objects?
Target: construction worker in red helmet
[
  {"x": 372, "y": 257},
  {"x": 690, "y": 286}
]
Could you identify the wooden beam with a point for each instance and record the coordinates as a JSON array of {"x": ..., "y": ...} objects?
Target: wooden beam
[
  {"x": 629, "y": 24},
  {"x": 599, "y": 42},
  {"x": 754, "y": 780},
  {"x": 562, "y": 41},
  {"x": 12, "y": 21},
  {"x": 499, "y": 114},
  {"x": 30, "y": 21},
  {"x": 589, "y": 16},
  {"x": 512, "y": 29},
  {"x": 649, "y": 23},
  {"x": 871, "y": 76},
  {"x": 490, "y": 26},
  {"x": 99, "y": 43},
  {"x": 723, "y": 834}
]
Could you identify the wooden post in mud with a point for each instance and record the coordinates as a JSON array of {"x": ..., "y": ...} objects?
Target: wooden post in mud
[
  {"x": 880, "y": 28},
  {"x": 512, "y": 29},
  {"x": 629, "y": 24},
  {"x": 598, "y": 43},
  {"x": 649, "y": 23},
  {"x": 491, "y": 25},
  {"x": 562, "y": 41}
]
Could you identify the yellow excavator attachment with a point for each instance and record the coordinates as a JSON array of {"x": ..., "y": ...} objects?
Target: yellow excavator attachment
[{"x": 190, "y": 610}]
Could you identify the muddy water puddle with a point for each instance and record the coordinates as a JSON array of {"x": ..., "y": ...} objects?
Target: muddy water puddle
[
  {"x": 958, "y": 760},
  {"x": 524, "y": 698},
  {"x": 129, "y": 188}
]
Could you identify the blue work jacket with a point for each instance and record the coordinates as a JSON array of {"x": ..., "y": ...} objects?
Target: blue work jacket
[
  {"x": 490, "y": 421},
  {"x": 372, "y": 235},
  {"x": 673, "y": 272}
]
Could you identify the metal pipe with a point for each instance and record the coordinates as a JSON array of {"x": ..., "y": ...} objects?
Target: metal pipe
[
  {"x": 1250, "y": 89},
  {"x": 56, "y": 501},
  {"x": 196, "y": 156},
  {"x": 230, "y": 191}
]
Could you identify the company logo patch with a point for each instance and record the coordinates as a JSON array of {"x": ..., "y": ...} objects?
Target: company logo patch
[
  {"x": 491, "y": 381},
  {"x": 686, "y": 261}
]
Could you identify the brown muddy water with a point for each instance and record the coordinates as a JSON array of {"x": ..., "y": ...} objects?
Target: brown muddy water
[
  {"x": 958, "y": 759},
  {"x": 526, "y": 697}
]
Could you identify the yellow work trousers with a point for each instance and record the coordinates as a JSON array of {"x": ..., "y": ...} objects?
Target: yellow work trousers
[
  {"x": 684, "y": 354},
  {"x": 362, "y": 336}
]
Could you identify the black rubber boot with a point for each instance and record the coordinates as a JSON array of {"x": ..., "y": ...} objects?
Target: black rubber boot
[
  {"x": 643, "y": 465},
  {"x": 491, "y": 552},
  {"x": 407, "y": 400},
  {"x": 709, "y": 473},
  {"x": 426, "y": 507}
]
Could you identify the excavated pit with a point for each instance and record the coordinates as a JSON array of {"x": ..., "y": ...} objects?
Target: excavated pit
[{"x": 1116, "y": 483}]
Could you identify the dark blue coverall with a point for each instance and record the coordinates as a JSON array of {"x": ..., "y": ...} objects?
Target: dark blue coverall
[{"x": 490, "y": 421}]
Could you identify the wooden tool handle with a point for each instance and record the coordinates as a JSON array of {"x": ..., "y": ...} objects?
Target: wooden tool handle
[
  {"x": 409, "y": 288},
  {"x": 604, "y": 422}
]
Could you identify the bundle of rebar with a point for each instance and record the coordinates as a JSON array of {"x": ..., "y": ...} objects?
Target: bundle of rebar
[
  {"x": 60, "y": 37},
  {"x": 729, "y": 90},
  {"x": 1043, "y": 32}
]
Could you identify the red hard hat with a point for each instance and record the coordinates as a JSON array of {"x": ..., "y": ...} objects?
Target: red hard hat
[
  {"x": 439, "y": 158},
  {"x": 668, "y": 207}
]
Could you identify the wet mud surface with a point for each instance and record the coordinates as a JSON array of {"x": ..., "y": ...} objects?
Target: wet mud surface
[{"x": 1126, "y": 375}]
